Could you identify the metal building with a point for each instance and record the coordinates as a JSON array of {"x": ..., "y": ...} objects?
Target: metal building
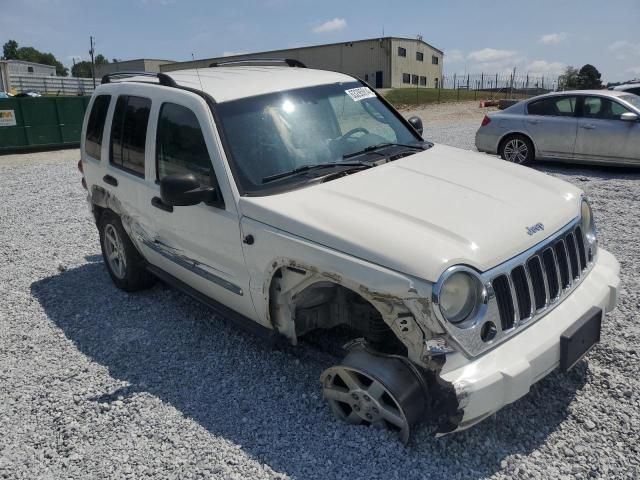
[
  {"x": 137, "y": 65},
  {"x": 387, "y": 62}
]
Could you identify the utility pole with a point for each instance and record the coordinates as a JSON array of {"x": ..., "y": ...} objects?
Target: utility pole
[{"x": 93, "y": 65}]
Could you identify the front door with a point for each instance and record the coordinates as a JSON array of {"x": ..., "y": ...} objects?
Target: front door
[
  {"x": 552, "y": 124},
  {"x": 378, "y": 79},
  {"x": 199, "y": 244},
  {"x": 602, "y": 136}
]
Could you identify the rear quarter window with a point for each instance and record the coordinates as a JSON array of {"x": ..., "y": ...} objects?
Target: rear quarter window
[
  {"x": 95, "y": 126},
  {"x": 129, "y": 133}
]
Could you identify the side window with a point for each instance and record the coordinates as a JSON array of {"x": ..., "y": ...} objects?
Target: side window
[
  {"x": 553, "y": 106},
  {"x": 406, "y": 78},
  {"x": 129, "y": 133},
  {"x": 402, "y": 52},
  {"x": 419, "y": 56},
  {"x": 414, "y": 79},
  {"x": 434, "y": 60},
  {"x": 635, "y": 91},
  {"x": 95, "y": 126},
  {"x": 180, "y": 145},
  {"x": 602, "y": 108}
]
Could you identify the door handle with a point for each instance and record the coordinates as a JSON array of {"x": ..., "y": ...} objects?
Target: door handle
[
  {"x": 158, "y": 203},
  {"x": 534, "y": 122},
  {"x": 588, "y": 126},
  {"x": 110, "y": 180}
]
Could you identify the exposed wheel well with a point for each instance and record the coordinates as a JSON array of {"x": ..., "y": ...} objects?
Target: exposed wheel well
[{"x": 301, "y": 303}]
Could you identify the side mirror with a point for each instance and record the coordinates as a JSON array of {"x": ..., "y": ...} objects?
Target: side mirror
[
  {"x": 629, "y": 117},
  {"x": 184, "y": 190},
  {"x": 416, "y": 123}
]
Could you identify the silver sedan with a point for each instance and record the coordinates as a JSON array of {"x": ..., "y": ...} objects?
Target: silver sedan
[{"x": 585, "y": 126}]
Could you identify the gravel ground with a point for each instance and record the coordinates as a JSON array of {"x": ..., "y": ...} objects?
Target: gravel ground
[{"x": 98, "y": 383}]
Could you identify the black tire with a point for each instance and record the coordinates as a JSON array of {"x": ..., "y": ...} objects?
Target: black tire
[
  {"x": 127, "y": 267},
  {"x": 517, "y": 149}
]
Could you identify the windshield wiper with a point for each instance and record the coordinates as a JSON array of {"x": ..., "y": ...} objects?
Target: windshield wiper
[
  {"x": 317, "y": 166},
  {"x": 373, "y": 148}
]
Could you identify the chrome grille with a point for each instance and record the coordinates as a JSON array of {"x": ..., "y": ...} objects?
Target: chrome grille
[{"x": 541, "y": 279}]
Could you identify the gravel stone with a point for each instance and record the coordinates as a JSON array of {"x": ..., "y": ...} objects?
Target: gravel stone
[{"x": 97, "y": 383}]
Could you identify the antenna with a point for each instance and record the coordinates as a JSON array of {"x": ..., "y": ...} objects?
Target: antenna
[{"x": 197, "y": 71}]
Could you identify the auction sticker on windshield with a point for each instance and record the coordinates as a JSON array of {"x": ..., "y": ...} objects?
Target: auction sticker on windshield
[
  {"x": 7, "y": 118},
  {"x": 360, "y": 93}
]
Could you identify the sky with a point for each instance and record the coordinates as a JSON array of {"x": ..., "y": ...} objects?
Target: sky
[{"x": 535, "y": 37}]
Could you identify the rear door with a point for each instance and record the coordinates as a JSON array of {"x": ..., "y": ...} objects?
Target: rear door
[
  {"x": 552, "y": 124},
  {"x": 199, "y": 244},
  {"x": 602, "y": 136}
]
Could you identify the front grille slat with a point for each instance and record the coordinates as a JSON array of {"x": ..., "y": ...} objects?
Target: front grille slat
[
  {"x": 581, "y": 250},
  {"x": 572, "y": 250},
  {"x": 521, "y": 292},
  {"x": 562, "y": 261},
  {"x": 542, "y": 278},
  {"x": 538, "y": 280},
  {"x": 505, "y": 301}
]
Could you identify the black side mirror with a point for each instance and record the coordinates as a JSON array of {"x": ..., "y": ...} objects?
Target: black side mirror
[
  {"x": 416, "y": 123},
  {"x": 184, "y": 190}
]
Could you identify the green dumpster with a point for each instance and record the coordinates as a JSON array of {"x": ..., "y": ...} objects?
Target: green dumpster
[{"x": 41, "y": 122}]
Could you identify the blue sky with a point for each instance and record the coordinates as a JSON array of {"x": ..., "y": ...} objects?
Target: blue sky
[{"x": 538, "y": 37}]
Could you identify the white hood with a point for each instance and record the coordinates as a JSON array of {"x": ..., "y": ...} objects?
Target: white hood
[{"x": 423, "y": 213}]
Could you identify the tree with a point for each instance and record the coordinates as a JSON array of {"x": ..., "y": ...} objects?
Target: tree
[
  {"x": 589, "y": 78},
  {"x": 569, "y": 79},
  {"x": 83, "y": 69},
  {"x": 10, "y": 50}
]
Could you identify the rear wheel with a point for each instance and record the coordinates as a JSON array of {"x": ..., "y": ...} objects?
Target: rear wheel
[
  {"x": 375, "y": 389},
  {"x": 124, "y": 263},
  {"x": 517, "y": 149}
]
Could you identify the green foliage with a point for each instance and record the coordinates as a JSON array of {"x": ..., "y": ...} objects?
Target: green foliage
[
  {"x": 589, "y": 78},
  {"x": 83, "y": 69},
  {"x": 569, "y": 79},
  {"x": 11, "y": 51}
]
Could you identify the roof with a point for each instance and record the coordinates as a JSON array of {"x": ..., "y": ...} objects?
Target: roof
[
  {"x": 625, "y": 86},
  {"x": 28, "y": 63},
  {"x": 275, "y": 52},
  {"x": 605, "y": 93},
  {"x": 231, "y": 83}
]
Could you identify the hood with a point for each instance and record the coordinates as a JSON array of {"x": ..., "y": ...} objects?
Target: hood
[{"x": 424, "y": 213}]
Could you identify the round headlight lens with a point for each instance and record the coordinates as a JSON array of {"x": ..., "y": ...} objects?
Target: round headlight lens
[{"x": 458, "y": 297}]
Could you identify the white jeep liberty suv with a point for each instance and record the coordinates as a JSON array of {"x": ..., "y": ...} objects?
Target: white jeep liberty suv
[{"x": 290, "y": 200}]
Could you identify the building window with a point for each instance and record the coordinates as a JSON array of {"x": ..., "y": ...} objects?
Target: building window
[
  {"x": 402, "y": 52},
  {"x": 406, "y": 78},
  {"x": 129, "y": 133},
  {"x": 366, "y": 77},
  {"x": 419, "y": 56},
  {"x": 435, "y": 81},
  {"x": 30, "y": 69},
  {"x": 434, "y": 60},
  {"x": 414, "y": 79},
  {"x": 423, "y": 81}
]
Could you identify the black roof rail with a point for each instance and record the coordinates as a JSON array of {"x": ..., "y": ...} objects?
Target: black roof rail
[
  {"x": 289, "y": 61},
  {"x": 163, "y": 78}
]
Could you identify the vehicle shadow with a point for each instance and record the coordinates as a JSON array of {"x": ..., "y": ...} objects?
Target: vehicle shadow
[
  {"x": 592, "y": 172},
  {"x": 268, "y": 401}
]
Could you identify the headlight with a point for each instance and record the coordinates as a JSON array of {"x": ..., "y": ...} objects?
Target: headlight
[
  {"x": 458, "y": 296},
  {"x": 588, "y": 226}
]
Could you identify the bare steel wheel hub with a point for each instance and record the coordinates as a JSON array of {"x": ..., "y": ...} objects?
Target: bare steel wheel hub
[
  {"x": 114, "y": 250},
  {"x": 372, "y": 389},
  {"x": 516, "y": 150}
]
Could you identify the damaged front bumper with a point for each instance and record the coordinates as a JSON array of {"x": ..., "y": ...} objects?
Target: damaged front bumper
[{"x": 501, "y": 376}]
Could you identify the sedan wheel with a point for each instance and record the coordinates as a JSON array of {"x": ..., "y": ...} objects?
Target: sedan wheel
[
  {"x": 517, "y": 149},
  {"x": 115, "y": 251},
  {"x": 374, "y": 389}
]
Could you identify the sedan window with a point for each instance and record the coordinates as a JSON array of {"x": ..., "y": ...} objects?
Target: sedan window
[
  {"x": 553, "y": 106},
  {"x": 602, "y": 108}
]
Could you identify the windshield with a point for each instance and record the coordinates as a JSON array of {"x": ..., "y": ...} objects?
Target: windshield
[
  {"x": 632, "y": 99},
  {"x": 276, "y": 133}
]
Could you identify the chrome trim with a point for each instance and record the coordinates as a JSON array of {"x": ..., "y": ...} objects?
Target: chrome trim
[
  {"x": 514, "y": 301},
  {"x": 532, "y": 295},
  {"x": 467, "y": 334},
  {"x": 191, "y": 265}
]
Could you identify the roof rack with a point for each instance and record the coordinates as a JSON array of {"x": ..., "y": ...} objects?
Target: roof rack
[
  {"x": 163, "y": 78},
  {"x": 289, "y": 61}
]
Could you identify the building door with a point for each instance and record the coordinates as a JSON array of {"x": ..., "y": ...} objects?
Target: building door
[
  {"x": 436, "y": 82},
  {"x": 379, "y": 79}
]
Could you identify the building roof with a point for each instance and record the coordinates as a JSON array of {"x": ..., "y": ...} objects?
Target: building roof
[
  {"x": 28, "y": 63},
  {"x": 265, "y": 52},
  {"x": 231, "y": 83}
]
